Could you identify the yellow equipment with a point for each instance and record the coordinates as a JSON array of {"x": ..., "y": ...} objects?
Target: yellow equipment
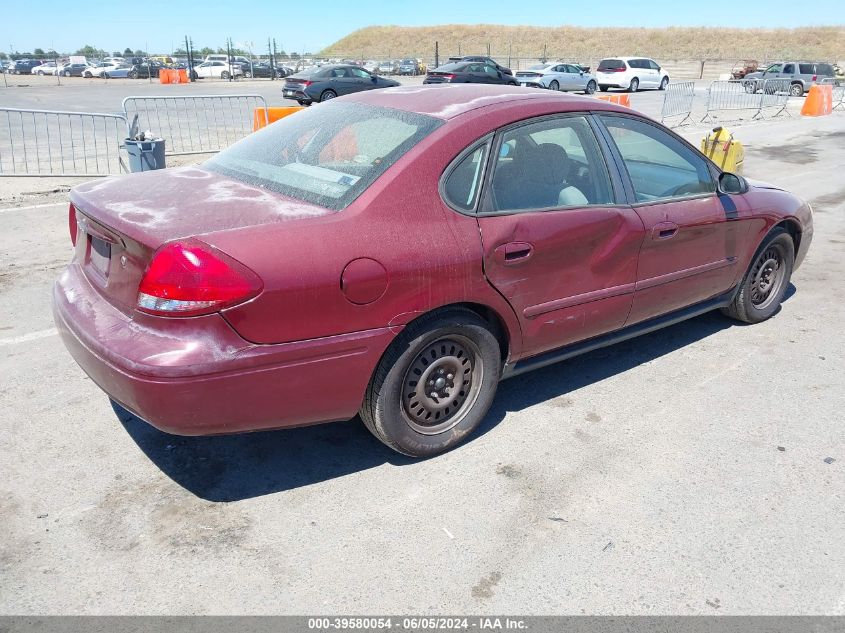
[{"x": 721, "y": 147}]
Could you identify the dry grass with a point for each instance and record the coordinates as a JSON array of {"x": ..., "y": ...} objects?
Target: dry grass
[{"x": 673, "y": 43}]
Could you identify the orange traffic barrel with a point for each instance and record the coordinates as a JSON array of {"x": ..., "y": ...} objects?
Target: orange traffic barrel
[
  {"x": 183, "y": 76},
  {"x": 259, "y": 120},
  {"x": 819, "y": 101},
  {"x": 621, "y": 99}
]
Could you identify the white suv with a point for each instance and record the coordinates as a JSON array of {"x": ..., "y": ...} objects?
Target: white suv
[{"x": 631, "y": 74}]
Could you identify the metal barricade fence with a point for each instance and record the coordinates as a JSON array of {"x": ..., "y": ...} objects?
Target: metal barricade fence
[
  {"x": 195, "y": 124},
  {"x": 775, "y": 94},
  {"x": 732, "y": 95},
  {"x": 61, "y": 143},
  {"x": 677, "y": 101},
  {"x": 839, "y": 97}
]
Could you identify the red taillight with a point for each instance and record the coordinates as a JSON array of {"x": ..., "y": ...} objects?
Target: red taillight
[
  {"x": 72, "y": 225},
  {"x": 815, "y": 77},
  {"x": 618, "y": 69},
  {"x": 189, "y": 277},
  {"x": 449, "y": 77}
]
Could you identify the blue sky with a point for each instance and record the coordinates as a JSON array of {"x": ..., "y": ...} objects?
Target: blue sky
[{"x": 156, "y": 25}]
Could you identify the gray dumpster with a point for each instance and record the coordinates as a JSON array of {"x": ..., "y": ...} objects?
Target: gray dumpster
[{"x": 145, "y": 155}]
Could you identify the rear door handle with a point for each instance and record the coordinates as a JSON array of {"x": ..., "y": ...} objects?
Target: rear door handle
[
  {"x": 514, "y": 253},
  {"x": 664, "y": 231}
]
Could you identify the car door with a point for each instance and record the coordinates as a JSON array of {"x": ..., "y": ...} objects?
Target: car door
[
  {"x": 693, "y": 236},
  {"x": 556, "y": 244},
  {"x": 363, "y": 80},
  {"x": 647, "y": 75}
]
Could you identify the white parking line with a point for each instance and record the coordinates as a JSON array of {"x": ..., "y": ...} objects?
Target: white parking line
[
  {"x": 34, "y": 206},
  {"x": 32, "y": 336}
]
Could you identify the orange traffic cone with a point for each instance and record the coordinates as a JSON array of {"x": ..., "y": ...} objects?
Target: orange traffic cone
[{"x": 819, "y": 101}]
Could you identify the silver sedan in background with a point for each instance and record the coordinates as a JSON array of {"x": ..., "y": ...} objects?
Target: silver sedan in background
[{"x": 557, "y": 76}]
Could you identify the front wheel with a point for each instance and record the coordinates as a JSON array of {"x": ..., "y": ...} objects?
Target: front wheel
[
  {"x": 554, "y": 85},
  {"x": 591, "y": 88},
  {"x": 105, "y": 75},
  {"x": 434, "y": 384},
  {"x": 247, "y": 75},
  {"x": 766, "y": 281},
  {"x": 224, "y": 75},
  {"x": 67, "y": 73},
  {"x": 634, "y": 85},
  {"x": 663, "y": 83}
]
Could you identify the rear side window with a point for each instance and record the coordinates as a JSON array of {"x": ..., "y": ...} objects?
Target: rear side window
[
  {"x": 659, "y": 165},
  {"x": 611, "y": 64},
  {"x": 464, "y": 181},
  {"x": 824, "y": 69},
  {"x": 789, "y": 69},
  {"x": 805, "y": 69},
  {"x": 549, "y": 164}
]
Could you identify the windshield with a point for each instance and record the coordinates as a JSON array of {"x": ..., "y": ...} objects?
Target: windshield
[{"x": 327, "y": 155}]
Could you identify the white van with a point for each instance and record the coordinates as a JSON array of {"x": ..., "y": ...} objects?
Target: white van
[{"x": 236, "y": 59}]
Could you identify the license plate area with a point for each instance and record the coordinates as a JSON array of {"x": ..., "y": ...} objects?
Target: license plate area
[{"x": 99, "y": 255}]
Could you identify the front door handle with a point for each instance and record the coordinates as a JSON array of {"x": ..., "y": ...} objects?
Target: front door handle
[
  {"x": 514, "y": 253},
  {"x": 664, "y": 231}
]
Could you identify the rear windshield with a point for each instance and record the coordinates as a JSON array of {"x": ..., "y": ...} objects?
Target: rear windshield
[
  {"x": 607, "y": 64},
  {"x": 326, "y": 155}
]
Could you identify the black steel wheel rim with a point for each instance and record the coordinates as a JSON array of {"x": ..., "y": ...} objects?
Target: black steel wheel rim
[
  {"x": 442, "y": 384},
  {"x": 767, "y": 277}
]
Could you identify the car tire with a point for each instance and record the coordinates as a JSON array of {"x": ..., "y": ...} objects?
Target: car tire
[
  {"x": 796, "y": 90},
  {"x": 436, "y": 346},
  {"x": 105, "y": 75},
  {"x": 764, "y": 285},
  {"x": 604, "y": 88},
  {"x": 591, "y": 88},
  {"x": 224, "y": 75},
  {"x": 132, "y": 75},
  {"x": 750, "y": 87},
  {"x": 664, "y": 83},
  {"x": 67, "y": 73},
  {"x": 554, "y": 85},
  {"x": 634, "y": 85},
  {"x": 327, "y": 95},
  {"x": 40, "y": 73},
  {"x": 247, "y": 75}
]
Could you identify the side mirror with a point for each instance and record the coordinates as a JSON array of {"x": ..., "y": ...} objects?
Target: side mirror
[{"x": 732, "y": 183}]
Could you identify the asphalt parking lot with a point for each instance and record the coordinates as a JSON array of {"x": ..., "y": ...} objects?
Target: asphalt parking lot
[{"x": 696, "y": 470}]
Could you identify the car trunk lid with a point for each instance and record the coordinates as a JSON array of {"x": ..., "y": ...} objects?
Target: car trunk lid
[{"x": 122, "y": 221}]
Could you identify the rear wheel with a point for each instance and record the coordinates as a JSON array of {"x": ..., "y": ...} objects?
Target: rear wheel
[
  {"x": 247, "y": 75},
  {"x": 328, "y": 94},
  {"x": 67, "y": 73},
  {"x": 766, "y": 281},
  {"x": 554, "y": 85},
  {"x": 634, "y": 85},
  {"x": 105, "y": 75},
  {"x": 434, "y": 384},
  {"x": 796, "y": 90},
  {"x": 224, "y": 75},
  {"x": 591, "y": 87}
]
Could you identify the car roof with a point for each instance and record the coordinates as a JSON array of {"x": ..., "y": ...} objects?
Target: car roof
[{"x": 449, "y": 101}]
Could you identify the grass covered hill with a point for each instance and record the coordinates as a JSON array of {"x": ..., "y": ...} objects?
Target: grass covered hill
[{"x": 679, "y": 43}]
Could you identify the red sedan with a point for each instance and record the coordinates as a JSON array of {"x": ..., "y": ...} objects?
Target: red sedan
[{"x": 396, "y": 253}]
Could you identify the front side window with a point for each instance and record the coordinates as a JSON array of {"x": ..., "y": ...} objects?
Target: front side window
[
  {"x": 775, "y": 68},
  {"x": 551, "y": 163},
  {"x": 327, "y": 155},
  {"x": 659, "y": 165}
]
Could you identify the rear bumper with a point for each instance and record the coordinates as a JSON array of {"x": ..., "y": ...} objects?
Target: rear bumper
[
  {"x": 609, "y": 81},
  {"x": 196, "y": 376}
]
